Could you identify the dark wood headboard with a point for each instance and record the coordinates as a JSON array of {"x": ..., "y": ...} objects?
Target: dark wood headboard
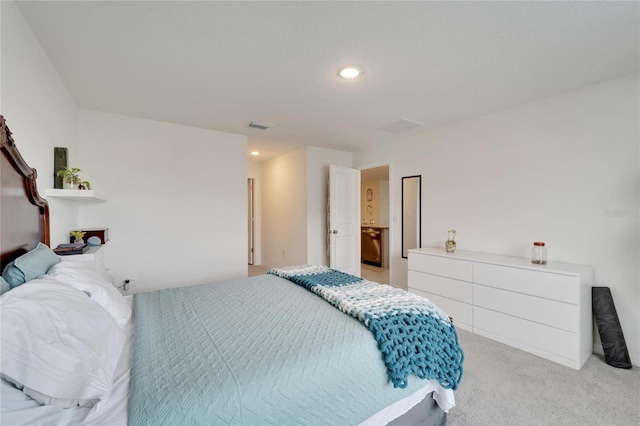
[{"x": 24, "y": 213}]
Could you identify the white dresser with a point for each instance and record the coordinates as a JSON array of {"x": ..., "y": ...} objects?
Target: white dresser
[{"x": 542, "y": 309}]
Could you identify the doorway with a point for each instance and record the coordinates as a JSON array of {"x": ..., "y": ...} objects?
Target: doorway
[{"x": 375, "y": 223}]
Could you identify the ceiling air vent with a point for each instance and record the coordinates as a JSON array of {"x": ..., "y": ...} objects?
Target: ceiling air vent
[
  {"x": 400, "y": 126},
  {"x": 260, "y": 125}
]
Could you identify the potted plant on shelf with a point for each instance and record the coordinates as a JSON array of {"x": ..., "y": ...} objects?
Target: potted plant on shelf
[
  {"x": 78, "y": 235},
  {"x": 70, "y": 177}
]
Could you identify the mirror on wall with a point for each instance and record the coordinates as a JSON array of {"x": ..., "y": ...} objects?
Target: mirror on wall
[{"x": 411, "y": 223}]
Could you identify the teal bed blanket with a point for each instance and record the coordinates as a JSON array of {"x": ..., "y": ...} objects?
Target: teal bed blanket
[{"x": 253, "y": 351}]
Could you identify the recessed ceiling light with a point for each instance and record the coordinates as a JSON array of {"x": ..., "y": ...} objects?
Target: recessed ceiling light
[
  {"x": 255, "y": 152},
  {"x": 350, "y": 72}
]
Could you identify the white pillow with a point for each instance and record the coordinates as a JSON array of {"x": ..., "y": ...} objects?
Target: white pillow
[
  {"x": 85, "y": 276},
  {"x": 56, "y": 342}
]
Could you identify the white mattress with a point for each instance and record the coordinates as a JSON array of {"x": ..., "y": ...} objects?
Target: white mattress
[{"x": 17, "y": 408}]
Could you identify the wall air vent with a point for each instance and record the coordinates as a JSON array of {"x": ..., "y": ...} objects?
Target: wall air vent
[{"x": 260, "y": 125}]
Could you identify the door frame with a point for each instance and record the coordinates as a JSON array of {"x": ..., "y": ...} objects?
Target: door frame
[
  {"x": 251, "y": 242},
  {"x": 253, "y": 172},
  {"x": 392, "y": 215}
]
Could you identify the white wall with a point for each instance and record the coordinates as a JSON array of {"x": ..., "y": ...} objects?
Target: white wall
[
  {"x": 293, "y": 205},
  {"x": 39, "y": 111},
  {"x": 177, "y": 208},
  {"x": 133, "y": 162},
  {"x": 318, "y": 161},
  {"x": 283, "y": 182},
  {"x": 564, "y": 170}
]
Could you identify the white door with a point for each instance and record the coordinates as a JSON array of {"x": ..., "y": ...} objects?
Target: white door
[{"x": 344, "y": 219}]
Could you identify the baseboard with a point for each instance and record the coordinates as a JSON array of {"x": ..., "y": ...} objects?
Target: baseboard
[{"x": 635, "y": 359}]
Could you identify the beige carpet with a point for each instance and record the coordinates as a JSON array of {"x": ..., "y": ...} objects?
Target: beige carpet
[
  {"x": 257, "y": 270},
  {"x": 505, "y": 386}
]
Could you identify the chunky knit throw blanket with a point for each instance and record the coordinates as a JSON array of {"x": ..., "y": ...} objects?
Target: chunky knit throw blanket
[{"x": 413, "y": 334}]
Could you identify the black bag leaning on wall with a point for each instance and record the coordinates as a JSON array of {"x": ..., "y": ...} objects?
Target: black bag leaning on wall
[{"x": 614, "y": 346}]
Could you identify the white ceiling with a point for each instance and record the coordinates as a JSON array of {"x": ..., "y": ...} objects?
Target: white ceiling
[{"x": 220, "y": 65}]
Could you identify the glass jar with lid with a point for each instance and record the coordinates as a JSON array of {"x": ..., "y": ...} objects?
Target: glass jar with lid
[{"x": 539, "y": 253}]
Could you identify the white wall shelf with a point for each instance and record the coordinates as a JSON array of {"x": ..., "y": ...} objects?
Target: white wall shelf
[
  {"x": 76, "y": 195},
  {"x": 94, "y": 253}
]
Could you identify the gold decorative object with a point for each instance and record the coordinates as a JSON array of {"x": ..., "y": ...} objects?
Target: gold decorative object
[{"x": 450, "y": 244}]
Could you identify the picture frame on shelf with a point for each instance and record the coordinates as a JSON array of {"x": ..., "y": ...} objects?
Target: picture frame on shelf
[{"x": 60, "y": 162}]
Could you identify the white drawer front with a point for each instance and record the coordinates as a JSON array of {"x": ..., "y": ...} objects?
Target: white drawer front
[
  {"x": 459, "y": 311},
  {"x": 555, "y": 314},
  {"x": 554, "y": 286},
  {"x": 436, "y": 265},
  {"x": 529, "y": 334},
  {"x": 453, "y": 289}
]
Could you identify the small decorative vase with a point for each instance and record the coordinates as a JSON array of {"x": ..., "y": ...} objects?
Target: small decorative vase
[
  {"x": 79, "y": 241},
  {"x": 69, "y": 185},
  {"x": 450, "y": 245}
]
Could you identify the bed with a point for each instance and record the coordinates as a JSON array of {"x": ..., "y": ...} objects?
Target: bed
[{"x": 260, "y": 350}]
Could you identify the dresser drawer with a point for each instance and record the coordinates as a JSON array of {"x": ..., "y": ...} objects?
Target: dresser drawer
[
  {"x": 536, "y": 338},
  {"x": 459, "y": 311},
  {"x": 565, "y": 288},
  {"x": 544, "y": 311},
  {"x": 453, "y": 289},
  {"x": 436, "y": 265}
]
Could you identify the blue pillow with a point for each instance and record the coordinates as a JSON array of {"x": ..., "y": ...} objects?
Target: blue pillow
[
  {"x": 11, "y": 274},
  {"x": 4, "y": 286},
  {"x": 30, "y": 265}
]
